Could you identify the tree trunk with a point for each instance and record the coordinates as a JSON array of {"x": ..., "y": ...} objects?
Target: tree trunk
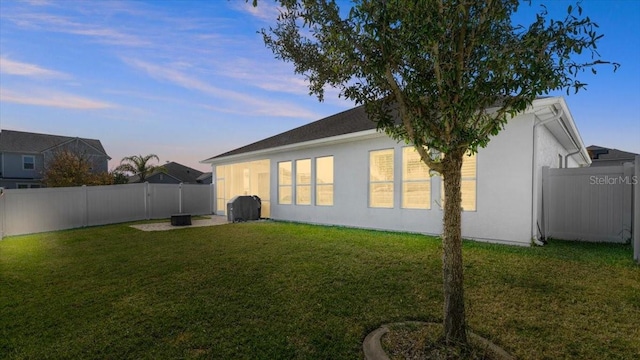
[{"x": 454, "y": 315}]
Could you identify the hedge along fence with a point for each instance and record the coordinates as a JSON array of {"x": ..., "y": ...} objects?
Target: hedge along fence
[{"x": 26, "y": 211}]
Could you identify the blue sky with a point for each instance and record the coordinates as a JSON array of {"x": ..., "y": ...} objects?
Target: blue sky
[{"x": 188, "y": 80}]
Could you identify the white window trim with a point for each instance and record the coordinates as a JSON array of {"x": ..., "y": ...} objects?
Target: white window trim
[
  {"x": 427, "y": 180},
  {"x": 475, "y": 183},
  {"x": 24, "y": 157},
  {"x": 315, "y": 180},
  {"x": 392, "y": 182},
  {"x": 308, "y": 185},
  {"x": 290, "y": 186}
]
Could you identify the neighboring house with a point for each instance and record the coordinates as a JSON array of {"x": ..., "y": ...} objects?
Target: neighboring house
[
  {"x": 172, "y": 173},
  {"x": 24, "y": 156},
  {"x": 341, "y": 171},
  {"x": 602, "y": 156},
  {"x": 205, "y": 178}
]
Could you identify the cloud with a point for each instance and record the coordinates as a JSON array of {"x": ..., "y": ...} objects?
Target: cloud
[
  {"x": 61, "y": 24},
  {"x": 8, "y": 66},
  {"x": 51, "y": 99},
  {"x": 247, "y": 104},
  {"x": 265, "y": 11}
]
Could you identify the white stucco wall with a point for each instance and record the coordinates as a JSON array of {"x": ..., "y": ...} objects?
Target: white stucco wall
[{"x": 504, "y": 188}]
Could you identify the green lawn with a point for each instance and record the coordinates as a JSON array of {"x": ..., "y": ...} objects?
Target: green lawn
[{"x": 278, "y": 291}]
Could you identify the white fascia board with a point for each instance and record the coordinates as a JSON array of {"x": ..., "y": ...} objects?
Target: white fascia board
[
  {"x": 361, "y": 135},
  {"x": 565, "y": 121}
]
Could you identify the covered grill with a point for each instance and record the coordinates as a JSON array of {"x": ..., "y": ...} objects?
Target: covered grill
[{"x": 244, "y": 208}]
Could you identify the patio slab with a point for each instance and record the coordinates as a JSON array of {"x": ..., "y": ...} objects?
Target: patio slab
[{"x": 164, "y": 226}]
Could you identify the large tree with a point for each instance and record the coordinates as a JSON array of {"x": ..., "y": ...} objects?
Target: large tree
[
  {"x": 139, "y": 165},
  {"x": 442, "y": 75}
]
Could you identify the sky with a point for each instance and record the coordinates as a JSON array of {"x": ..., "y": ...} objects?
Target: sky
[{"x": 188, "y": 80}]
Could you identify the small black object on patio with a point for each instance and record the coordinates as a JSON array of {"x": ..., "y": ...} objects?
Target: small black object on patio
[{"x": 181, "y": 219}]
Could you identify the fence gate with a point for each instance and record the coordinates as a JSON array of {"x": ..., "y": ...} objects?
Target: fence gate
[{"x": 590, "y": 204}]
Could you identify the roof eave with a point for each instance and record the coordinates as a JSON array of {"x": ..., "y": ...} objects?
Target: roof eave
[{"x": 361, "y": 135}]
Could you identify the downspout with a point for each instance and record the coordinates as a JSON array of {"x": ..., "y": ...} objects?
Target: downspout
[
  {"x": 566, "y": 157},
  {"x": 535, "y": 225}
]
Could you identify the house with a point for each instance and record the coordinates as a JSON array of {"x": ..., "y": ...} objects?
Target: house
[
  {"x": 341, "y": 171},
  {"x": 172, "y": 173},
  {"x": 25, "y": 155},
  {"x": 205, "y": 178},
  {"x": 602, "y": 156}
]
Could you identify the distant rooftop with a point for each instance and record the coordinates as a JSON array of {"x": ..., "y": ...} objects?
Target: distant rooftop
[{"x": 27, "y": 142}]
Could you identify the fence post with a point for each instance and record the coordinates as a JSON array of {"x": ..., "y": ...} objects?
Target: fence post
[
  {"x": 212, "y": 198},
  {"x": 147, "y": 201},
  {"x": 180, "y": 198},
  {"x": 627, "y": 202},
  {"x": 2, "y": 212},
  {"x": 635, "y": 228},
  {"x": 545, "y": 202},
  {"x": 85, "y": 192}
]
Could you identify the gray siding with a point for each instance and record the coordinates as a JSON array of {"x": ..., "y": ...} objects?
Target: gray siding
[
  {"x": 12, "y": 166},
  {"x": 162, "y": 178}
]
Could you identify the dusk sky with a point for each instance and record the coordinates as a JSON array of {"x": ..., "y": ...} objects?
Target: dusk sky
[{"x": 188, "y": 80}]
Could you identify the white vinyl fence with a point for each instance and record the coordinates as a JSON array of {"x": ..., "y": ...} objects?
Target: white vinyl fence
[
  {"x": 26, "y": 211},
  {"x": 592, "y": 204}
]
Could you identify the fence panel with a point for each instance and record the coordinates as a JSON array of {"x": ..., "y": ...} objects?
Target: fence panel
[
  {"x": 197, "y": 199},
  {"x": 39, "y": 210},
  {"x": 164, "y": 200},
  {"x": 589, "y": 204},
  {"x": 116, "y": 203},
  {"x": 26, "y": 211}
]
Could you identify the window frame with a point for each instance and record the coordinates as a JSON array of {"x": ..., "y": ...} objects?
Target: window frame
[
  {"x": 389, "y": 183},
  {"x": 300, "y": 186},
  {"x": 33, "y": 162},
  {"x": 405, "y": 182},
  {"x": 288, "y": 185},
  {"x": 319, "y": 185},
  {"x": 463, "y": 180}
]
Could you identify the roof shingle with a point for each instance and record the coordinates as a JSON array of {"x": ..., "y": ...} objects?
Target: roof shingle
[
  {"x": 346, "y": 122},
  {"x": 26, "y": 142}
]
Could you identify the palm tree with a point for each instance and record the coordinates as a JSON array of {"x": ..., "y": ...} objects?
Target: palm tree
[{"x": 139, "y": 165}]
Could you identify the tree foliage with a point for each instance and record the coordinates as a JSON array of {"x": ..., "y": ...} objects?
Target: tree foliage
[
  {"x": 69, "y": 168},
  {"x": 442, "y": 75},
  {"x": 139, "y": 165}
]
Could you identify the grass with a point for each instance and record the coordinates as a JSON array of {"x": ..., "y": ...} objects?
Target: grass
[{"x": 289, "y": 291}]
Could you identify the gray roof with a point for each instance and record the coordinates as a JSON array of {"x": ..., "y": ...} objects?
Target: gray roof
[
  {"x": 204, "y": 176},
  {"x": 26, "y": 142},
  {"x": 600, "y": 153},
  {"x": 346, "y": 122},
  {"x": 178, "y": 171}
]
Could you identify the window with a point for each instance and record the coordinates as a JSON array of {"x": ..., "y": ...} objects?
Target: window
[
  {"x": 28, "y": 162},
  {"x": 467, "y": 183},
  {"x": 381, "y": 178},
  {"x": 245, "y": 178},
  {"x": 416, "y": 182},
  {"x": 284, "y": 182},
  {"x": 28, "y": 186},
  {"x": 303, "y": 182},
  {"x": 324, "y": 180}
]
